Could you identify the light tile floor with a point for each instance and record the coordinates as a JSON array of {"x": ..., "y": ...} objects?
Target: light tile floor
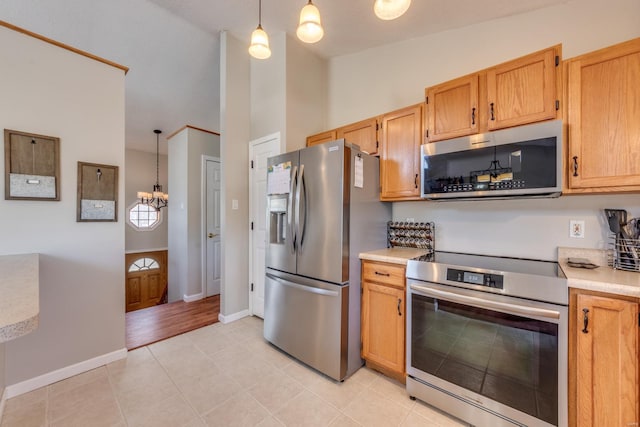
[{"x": 219, "y": 375}]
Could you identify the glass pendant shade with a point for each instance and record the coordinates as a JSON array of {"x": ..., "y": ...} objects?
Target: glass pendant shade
[
  {"x": 310, "y": 28},
  {"x": 259, "y": 47},
  {"x": 390, "y": 9}
]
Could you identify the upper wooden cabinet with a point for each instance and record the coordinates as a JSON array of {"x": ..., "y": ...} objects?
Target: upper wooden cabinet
[
  {"x": 453, "y": 108},
  {"x": 322, "y": 137},
  {"x": 603, "y": 119},
  {"x": 400, "y": 155},
  {"x": 523, "y": 90},
  {"x": 363, "y": 134},
  {"x": 514, "y": 93},
  {"x": 604, "y": 360}
]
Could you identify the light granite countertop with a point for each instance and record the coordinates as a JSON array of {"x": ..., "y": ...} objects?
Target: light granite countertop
[
  {"x": 603, "y": 278},
  {"x": 395, "y": 255},
  {"x": 19, "y": 295}
]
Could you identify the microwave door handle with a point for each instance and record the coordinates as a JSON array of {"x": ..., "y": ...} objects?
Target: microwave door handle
[
  {"x": 292, "y": 186},
  {"x": 483, "y": 303}
]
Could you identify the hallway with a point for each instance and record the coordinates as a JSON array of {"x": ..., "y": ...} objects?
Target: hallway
[{"x": 150, "y": 325}]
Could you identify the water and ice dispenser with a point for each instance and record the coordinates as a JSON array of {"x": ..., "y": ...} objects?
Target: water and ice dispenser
[{"x": 278, "y": 218}]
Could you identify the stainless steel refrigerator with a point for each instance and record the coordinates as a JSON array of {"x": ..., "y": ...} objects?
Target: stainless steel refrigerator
[{"x": 323, "y": 210}]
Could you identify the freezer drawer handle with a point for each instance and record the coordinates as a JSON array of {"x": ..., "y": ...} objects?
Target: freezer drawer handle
[
  {"x": 309, "y": 289},
  {"x": 484, "y": 303}
]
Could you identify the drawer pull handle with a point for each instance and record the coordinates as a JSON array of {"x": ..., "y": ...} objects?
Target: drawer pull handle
[
  {"x": 399, "y": 302},
  {"x": 585, "y": 320},
  {"x": 382, "y": 274}
]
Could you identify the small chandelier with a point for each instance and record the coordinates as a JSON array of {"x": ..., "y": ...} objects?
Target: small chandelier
[
  {"x": 157, "y": 199},
  {"x": 259, "y": 47},
  {"x": 310, "y": 28},
  {"x": 390, "y": 9}
]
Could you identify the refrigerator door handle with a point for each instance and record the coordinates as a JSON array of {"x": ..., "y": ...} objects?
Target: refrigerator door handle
[
  {"x": 309, "y": 289},
  {"x": 294, "y": 176},
  {"x": 303, "y": 226},
  {"x": 299, "y": 188}
]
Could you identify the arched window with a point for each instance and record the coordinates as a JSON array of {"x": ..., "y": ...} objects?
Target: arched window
[
  {"x": 143, "y": 264},
  {"x": 143, "y": 217}
]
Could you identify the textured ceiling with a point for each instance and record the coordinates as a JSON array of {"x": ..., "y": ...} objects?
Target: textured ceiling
[{"x": 172, "y": 46}]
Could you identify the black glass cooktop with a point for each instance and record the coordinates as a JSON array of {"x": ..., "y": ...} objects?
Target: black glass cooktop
[{"x": 494, "y": 263}]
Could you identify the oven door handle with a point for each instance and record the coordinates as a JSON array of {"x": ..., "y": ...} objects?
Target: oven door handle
[{"x": 483, "y": 303}]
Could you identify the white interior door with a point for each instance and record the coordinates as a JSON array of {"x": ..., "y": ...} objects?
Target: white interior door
[
  {"x": 259, "y": 151},
  {"x": 212, "y": 228}
]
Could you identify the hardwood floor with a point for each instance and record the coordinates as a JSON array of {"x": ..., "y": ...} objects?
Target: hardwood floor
[{"x": 160, "y": 322}]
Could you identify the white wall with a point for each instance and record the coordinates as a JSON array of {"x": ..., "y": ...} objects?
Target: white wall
[
  {"x": 173, "y": 78},
  {"x": 51, "y": 91},
  {"x": 307, "y": 95},
  {"x": 186, "y": 149},
  {"x": 269, "y": 91},
  {"x": 393, "y": 76},
  {"x": 140, "y": 175},
  {"x": 235, "y": 123},
  {"x": 383, "y": 79}
]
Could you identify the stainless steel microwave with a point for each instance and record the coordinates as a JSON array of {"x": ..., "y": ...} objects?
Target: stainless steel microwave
[{"x": 524, "y": 161}]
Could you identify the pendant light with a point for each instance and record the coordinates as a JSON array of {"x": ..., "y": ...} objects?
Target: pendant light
[
  {"x": 157, "y": 199},
  {"x": 310, "y": 28},
  {"x": 390, "y": 9},
  {"x": 259, "y": 47}
]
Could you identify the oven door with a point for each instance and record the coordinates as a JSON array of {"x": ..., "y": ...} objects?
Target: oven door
[{"x": 488, "y": 359}]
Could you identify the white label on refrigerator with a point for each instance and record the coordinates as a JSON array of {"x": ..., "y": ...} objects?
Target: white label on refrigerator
[
  {"x": 279, "y": 178},
  {"x": 359, "y": 173}
]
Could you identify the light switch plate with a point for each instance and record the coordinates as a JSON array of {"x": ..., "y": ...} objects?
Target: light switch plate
[{"x": 234, "y": 204}]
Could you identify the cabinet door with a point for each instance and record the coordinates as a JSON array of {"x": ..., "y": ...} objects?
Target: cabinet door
[
  {"x": 400, "y": 156},
  {"x": 452, "y": 108},
  {"x": 603, "y": 118},
  {"x": 607, "y": 362},
  {"x": 363, "y": 134},
  {"x": 383, "y": 326},
  {"x": 321, "y": 138},
  {"x": 523, "y": 90}
]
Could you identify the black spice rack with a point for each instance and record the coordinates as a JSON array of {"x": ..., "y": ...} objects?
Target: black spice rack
[{"x": 411, "y": 235}]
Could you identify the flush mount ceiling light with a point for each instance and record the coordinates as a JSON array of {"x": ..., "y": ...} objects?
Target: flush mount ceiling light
[
  {"x": 310, "y": 29},
  {"x": 157, "y": 199},
  {"x": 259, "y": 47},
  {"x": 390, "y": 9}
]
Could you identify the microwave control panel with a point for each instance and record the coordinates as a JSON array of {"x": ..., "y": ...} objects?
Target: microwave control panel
[{"x": 489, "y": 280}]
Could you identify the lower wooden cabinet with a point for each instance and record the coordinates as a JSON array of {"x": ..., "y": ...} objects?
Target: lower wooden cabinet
[
  {"x": 383, "y": 318},
  {"x": 604, "y": 381}
]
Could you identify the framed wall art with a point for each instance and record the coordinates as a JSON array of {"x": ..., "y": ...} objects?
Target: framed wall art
[
  {"x": 32, "y": 166},
  {"x": 97, "y": 192}
]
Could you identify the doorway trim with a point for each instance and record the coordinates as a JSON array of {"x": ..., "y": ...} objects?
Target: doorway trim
[
  {"x": 203, "y": 223},
  {"x": 252, "y": 144}
]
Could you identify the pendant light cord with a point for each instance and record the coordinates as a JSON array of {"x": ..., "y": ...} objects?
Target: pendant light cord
[{"x": 260, "y": 13}]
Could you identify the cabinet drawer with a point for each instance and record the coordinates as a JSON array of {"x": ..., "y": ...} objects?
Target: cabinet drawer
[{"x": 389, "y": 274}]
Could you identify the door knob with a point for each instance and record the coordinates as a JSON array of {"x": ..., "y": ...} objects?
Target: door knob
[{"x": 211, "y": 235}]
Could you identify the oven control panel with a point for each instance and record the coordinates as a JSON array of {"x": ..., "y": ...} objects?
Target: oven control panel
[{"x": 483, "y": 279}]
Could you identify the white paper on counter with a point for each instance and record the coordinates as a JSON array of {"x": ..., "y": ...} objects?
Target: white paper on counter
[
  {"x": 359, "y": 173},
  {"x": 279, "y": 178}
]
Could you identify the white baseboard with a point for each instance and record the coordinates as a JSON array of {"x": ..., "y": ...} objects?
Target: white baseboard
[
  {"x": 233, "y": 317},
  {"x": 63, "y": 373},
  {"x": 191, "y": 298},
  {"x": 3, "y": 399}
]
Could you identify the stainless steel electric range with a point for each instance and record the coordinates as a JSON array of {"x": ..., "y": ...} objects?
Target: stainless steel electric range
[{"x": 487, "y": 338}]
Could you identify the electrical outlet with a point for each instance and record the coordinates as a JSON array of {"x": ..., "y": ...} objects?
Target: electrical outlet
[
  {"x": 411, "y": 220},
  {"x": 576, "y": 229}
]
